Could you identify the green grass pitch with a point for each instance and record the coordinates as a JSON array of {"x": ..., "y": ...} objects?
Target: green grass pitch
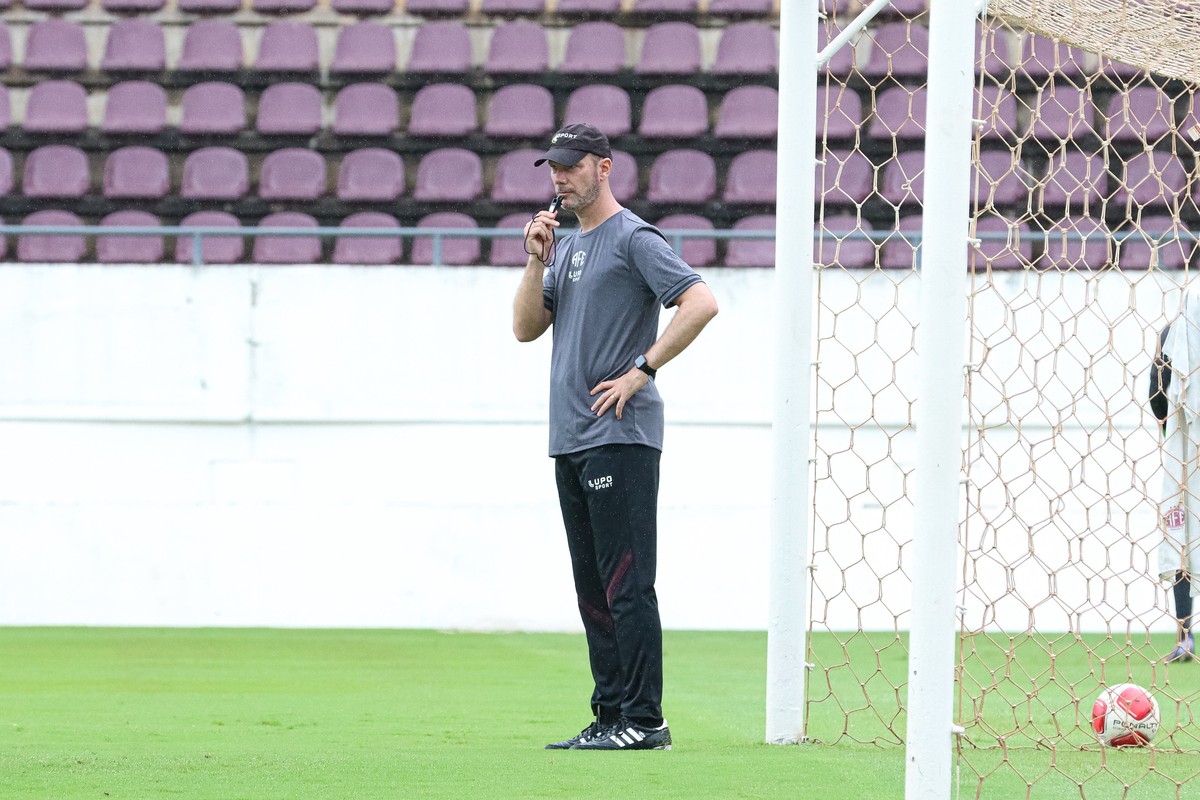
[{"x": 258, "y": 714}]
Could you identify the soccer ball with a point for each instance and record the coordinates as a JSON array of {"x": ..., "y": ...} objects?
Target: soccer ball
[{"x": 1125, "y": 716}]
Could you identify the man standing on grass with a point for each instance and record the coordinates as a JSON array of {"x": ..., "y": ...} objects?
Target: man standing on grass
[{"x": 601, "y": 292}]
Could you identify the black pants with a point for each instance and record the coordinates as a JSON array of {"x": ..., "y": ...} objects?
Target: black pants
[{"x": 609, "y": 500}]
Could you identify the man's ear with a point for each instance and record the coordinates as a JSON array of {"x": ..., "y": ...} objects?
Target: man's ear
[{"x": 605, "y": 165}]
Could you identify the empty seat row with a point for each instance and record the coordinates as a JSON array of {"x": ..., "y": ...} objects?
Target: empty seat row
[
  {"x": 216, "y": 45},
  {"x": 461, "y": 7}
]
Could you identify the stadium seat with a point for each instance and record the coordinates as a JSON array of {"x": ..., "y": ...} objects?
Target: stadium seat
[
  {"x": 623, "y": 179},
  {"x": 905, "y": 8},
  {"x": 509, "y": 251},
  {"x": 1152, "y": 178},
  {"x": 55, "y": 45},
  {"x": 436, "y": 6},
  {"x": 289, "y": 109},
  {"x": 135, "y": 107},
  {"x": 756, "y": 8},
  {"x": 752, "y": 112},
  {"x": 443, "y": 109},
  {"x": 847, "y": 178},
  {"x": 211, "y": 45},
  {"x": 752, "y": 252},
  {"x": 1062, "y": 112},
  {"x": 747, "y": 48},
  {"x": 56, "y": 171},
  {"x": 1141, "y": 114},
  {"x": 597, "y": 7},
  {"x": 449, "y": 174},
  {"x": 209, "y": 6},
  {"x": 6, "y": 56},
  {"x": 1041, "y": 58},
  {"x": 366, "y": 109},
  {"x": 682, "y": 176},
  {"x": 371, "y": 174},
  {"x": 1015, "y": 251},
  {"x": 1001, "y": 180},
  {"x": 56, "y": 107},
  {"x": 751, "y": 178},
  {"x": 283, "y": 6},
  {"x": 993, "y": 51},
  {"x": 1073, "y": 181},
  {"x": 215, "y": 173},
  {"x": 675, "y": 111},
  {"x": 518, "y": 47},
  {"x": 134, "y": 6},
  {"x": 6, "y": 172},
  {"x": 520, "y": 110},
  {"x": 136, "y": 172},
  {"x": 364, "y": 249},
  {"x": 594, "y": 48},
  {"x": 513, "y": 6},
  {"x": 213, "y": 249},
  {"x": 5, "y": 110},
  {"x": 49, "y": 249},
  {"x": 843, "y": 111},
  {"x": 666, "y": 6},
  {"x": 602, "y": 104},
  {"x": 696, "y": 251},
  {"x": 294, "y": 173},
  {"x": 287, "y": 249},
  {"x": 441, "y": 48},
  {"x": 997, "y": 108},
  {"x": 670, "y": 48},
  {"x": 213, "y": 108},
  {"x": 457, "y": 250},
  {"x": 1076, "y": 243},
  {"x": 287, "y": 47},
  {"x": 898, "y": 49},
  {"x": 1156, "y": 241},
  {"x": 364, "y": 48},
  {"x": 134, "y": 44},
  {"x": 517, "y": 180},
  {"x": 901, "y": 249},
  {"x": 364, "y": 6},
  {"x": 899, "y": 113},
  {"x": 842, "y": 243},
  {"x": 903, "y": 178},
  {"x": 844, "y": 61},
  {"x": 129, "y": 249}
]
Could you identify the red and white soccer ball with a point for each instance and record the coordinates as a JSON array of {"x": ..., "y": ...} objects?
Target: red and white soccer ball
[{"x": 1125, "y": 716}]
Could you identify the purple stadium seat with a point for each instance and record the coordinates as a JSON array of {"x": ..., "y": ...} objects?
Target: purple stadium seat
[
  {"x": 841, "y": 243},
  {"x": 993, "y": 51},
  {"x": 212, "y": 108},
  {"x": 289, "y": 47},
  {"x": 677, "y": 111},
  {"x": 366, "y": 109},
  {"x": 364, "y": 48},
  {"x": 136, "y": 173},
  {"x": 289, "y": 109},
  {"x": 1140, "y": 114},
  {"x": 682, "y": 176},
  {"x": 846, "y": 178},
  {"x": 215, "y": 173},
  {"x": 54, "y": 5},
  {"x": 287, "y": 249},
  {"x": 135, "y": 107},
  {"x": 603, "y": 105},
  {"x": 1152, "y": 179},
  {"x": 294, "y": 173},
  {"x": 1015, "y": 251},
  {"x": 6, "y": 172},
  {"x": 364, "y": 6},
  {"x": 752, "y": 112},
  {"x": 905, "y": 8},
  {"x": 517, "y": 180},
  {"x": 623, "y": 179},
  {"x": 1073, "y": 181},
  {"x": 509, "y": 251},
  {"x": 520, "y": 110},
  {"x": 903, "y": 178},
  {"x": 752, "y": 252},
  {"x": 47, "y": 249},
  {"x": 213, "y": 249},
  {"x": 594, "y": 48},
  {"x": 844, "y": 61},
  {"x": 443, "y": 109},
  {"x": 841, "y": 109},
  {"x": 129, "y": 249},
  {"x": 449, "y": 174},
  {"x": 1155, "y": 241},
  {"x": 437, "y": 6},
  {"x": 1041, "y": 57},
  {"x": 1000, "y": 179},
  {"x": 898, "y": 49},
  {"x": 1062, "y": 112},
  {"x": 751, "y": 178},
  {"x": 456, "y": 251},
  {"x": 665, "y": 6},
  {"x": 5, "y": 112},
  {"x": 209, "y": 6},
  {"x": 670, "y": 48},
  {"x": 1121, "y": 73},
  {"x": 518, "y": 47},
  {"x": 371, "y": 173},
  {"x": 997, "y": 108},
  {"x": 900, "y": 112},
  {"x": 747, "y": 48},
  {"x": 211, "y": 45},
  {"x": 56, "y": 107},
  {"x": 1076, "y": 243},
  {"x": 696, "y": 251},
  {"x": 599, "y": 7},
  {"x": 283, "y": 6},
  {"x": 56, "y": 170},
  {"x": 441, "y": 47},
  {"x": 757, "y": 8},
  {"x": 134, "y": 44},
  {"x": 5, "y": 53},
  {"x": 513, "y": 6},
  {"x": 901, "y": 249},
  {"x": 364, "y": 249},
  {"x": 55, "y": 45},
  {"x": 136, "y": 6}
]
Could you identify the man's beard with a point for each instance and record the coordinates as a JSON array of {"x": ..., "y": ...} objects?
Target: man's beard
[{"x": 585, "y": 199}]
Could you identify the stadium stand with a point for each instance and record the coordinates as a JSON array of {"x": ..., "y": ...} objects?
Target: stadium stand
[
  {"x": 134, "y": 45},
  {"x": 368, "y": 250},
  {"x": 364, "y": 48},
  {"x": 371, "y": 174},
  {"x": 287, "y": 249},
  {"x": 211, "y": 46},
  {"x": 138, "y": 107},
  {"x": 129, "y": 249}
]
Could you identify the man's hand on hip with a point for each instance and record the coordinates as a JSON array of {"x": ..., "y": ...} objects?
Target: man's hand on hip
[{"x": 617, "y": 392}]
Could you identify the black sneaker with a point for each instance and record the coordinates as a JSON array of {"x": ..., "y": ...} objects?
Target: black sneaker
[
  {"x": 585, "y": 735},
  {"x": 628, "y": 735}
]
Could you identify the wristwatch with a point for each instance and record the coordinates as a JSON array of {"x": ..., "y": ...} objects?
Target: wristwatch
[{"x": 641, "y": 363}]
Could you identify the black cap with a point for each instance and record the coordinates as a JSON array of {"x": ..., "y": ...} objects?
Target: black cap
[{"x": 573, "y": 142}]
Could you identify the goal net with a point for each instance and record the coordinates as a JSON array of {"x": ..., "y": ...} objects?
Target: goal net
[{"x": 1083, "y": 223}]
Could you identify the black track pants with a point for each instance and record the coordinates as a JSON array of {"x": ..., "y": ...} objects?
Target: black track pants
[{"x": 609, "y": 500}]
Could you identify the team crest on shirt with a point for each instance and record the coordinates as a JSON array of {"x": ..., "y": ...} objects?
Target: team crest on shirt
[
  {"x": 1174, "y": 518},
  {"x": 576, "y": 271}
]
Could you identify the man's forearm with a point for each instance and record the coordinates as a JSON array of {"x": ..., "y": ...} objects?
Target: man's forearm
[
  {"x": 530, "y": 316},
  {"x": 695, "y": 309}
]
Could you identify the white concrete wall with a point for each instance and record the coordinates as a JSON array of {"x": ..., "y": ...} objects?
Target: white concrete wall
[{"x": 317, "y": 446}]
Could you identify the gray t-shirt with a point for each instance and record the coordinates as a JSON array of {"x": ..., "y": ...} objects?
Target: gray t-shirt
[{"x": 605, "y": 288}]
